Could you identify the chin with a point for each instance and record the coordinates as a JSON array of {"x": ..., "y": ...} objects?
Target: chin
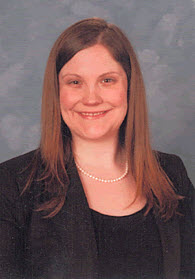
[{"x": 97, "y": 135}]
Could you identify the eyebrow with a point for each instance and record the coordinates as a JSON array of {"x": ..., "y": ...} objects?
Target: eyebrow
[
  {"x": 70, "y": 74},
  {"x": 110, "y": 73},
  {"x": 104, "y": 74}
]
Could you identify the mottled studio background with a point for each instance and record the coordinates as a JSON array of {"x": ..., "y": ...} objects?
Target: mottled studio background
[{"x": 162, "y": 31}]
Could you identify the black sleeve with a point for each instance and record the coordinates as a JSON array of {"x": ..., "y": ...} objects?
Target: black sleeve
[
  {"x": 187, "y": 225},
  {"x": 176, "y": 171},
  {"x": 11, "y": 227}
]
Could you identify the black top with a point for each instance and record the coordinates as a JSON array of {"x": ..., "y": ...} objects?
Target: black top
[{"x": 128, "y": 246}]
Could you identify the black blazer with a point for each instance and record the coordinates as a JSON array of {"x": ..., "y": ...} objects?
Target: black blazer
[{"x": 64, "y": 246}]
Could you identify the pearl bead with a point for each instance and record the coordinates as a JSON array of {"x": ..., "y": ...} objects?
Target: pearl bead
[{"x": 101, "y": 179}]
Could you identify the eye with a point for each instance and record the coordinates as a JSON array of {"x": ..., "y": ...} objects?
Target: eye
[
  {"x": 107, "y": 80},
  {"x": 75, "y": 82}
]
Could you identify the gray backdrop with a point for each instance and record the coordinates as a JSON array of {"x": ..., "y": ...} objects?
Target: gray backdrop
[{"x": 160, "y": 30}]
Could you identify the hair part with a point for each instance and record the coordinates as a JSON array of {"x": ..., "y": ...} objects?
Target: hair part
[{"x": 55, "y": 144}]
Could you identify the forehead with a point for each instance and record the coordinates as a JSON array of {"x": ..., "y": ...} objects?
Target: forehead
[{"x": 92, "y": 59}]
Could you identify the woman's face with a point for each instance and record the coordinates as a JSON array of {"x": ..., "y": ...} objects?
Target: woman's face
[{"x": 93, "y": 94}]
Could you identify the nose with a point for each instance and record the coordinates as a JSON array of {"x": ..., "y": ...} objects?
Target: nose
[{"x": 91, "y": 96}]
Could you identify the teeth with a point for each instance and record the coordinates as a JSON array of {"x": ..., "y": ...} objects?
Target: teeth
[{"x": 92, "y": 113}]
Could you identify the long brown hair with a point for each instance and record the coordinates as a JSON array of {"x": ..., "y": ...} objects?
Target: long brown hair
[{"x": 55, "y": 144}]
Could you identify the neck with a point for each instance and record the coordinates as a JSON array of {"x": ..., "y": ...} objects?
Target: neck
[{"x": 95, "y": 154}]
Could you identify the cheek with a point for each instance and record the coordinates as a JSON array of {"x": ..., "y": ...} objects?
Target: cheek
[
  {"x": 119, "y": 98},
  {"x": 67, "y": 99}
]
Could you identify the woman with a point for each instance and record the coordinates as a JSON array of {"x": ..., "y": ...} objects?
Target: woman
[{"x": 94, "y": 200}]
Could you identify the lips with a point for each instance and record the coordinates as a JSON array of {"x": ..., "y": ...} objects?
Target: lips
[{"x": 92, "y": 115}]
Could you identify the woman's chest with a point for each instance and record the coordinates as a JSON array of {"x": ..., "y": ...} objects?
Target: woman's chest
[
  {"x": 113, "y": 198},
  {"x": 128, "y": 246}
]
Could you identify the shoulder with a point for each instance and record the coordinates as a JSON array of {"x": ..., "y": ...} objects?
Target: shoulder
[
  {"x": 14, "y": 172},
  {"x": 174, "y": 168},
  {"x": 168, "y": 161},
  {"x": 19, "y": 162}
]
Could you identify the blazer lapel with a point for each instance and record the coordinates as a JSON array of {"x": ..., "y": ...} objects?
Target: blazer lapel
[
  {"x": 64, "y": 246},
  {"x": 79, "y": 234},
  {"x": 170, "y": 239}
]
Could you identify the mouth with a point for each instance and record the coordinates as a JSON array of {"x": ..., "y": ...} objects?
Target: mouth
[{"x": 93, "y": 115}]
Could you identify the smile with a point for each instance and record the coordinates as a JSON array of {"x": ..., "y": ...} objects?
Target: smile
[{"x": 92, "y": 115}]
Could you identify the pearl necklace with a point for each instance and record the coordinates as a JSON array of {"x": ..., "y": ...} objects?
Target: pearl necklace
[{"x": 105, "y": 180}]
